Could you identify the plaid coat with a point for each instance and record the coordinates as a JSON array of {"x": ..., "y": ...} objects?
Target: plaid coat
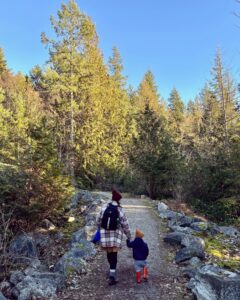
[{"x": 113, "y": 238}]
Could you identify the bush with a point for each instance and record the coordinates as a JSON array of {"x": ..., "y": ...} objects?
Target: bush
[
  {"x": 224, "y": 211},
  {"x": 32, "y": 194}
]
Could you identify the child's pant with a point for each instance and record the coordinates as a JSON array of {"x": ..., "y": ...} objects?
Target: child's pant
[{"x": 139, "y": 265}]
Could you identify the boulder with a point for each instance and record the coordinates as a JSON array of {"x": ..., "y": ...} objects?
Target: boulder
[
  {"x": 229, "y": 230},
  {"x": 185, "y": 221},
  {"x": 2, "y": 297},
  {"x": 186, "y": 230},
  {"x": 16, "y": 277},
  {"x": 212, "y": 282},
  {"x": 42, "y": 285},
  {"x": 162, "y": 206},
  {"x": 35, "y": 267},
  {"x": 199, "y": 226},
  {"x": 174, "y": 238},
  {"x": 41, "y": 240},
  {"x": 23, "y": 248},
  {"x": 189, "y": 252},
  {"x": 77, "y": 236},
  {"x": 195, "y": 262},
  {"x": 193, "y": 241},
  {"x": 80, "y": 195},
  {"x": 169, "y": 214},
  {"x": 75, "y": 259}
]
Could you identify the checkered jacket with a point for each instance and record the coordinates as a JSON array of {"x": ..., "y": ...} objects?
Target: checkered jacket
[{"x": 113, "y": 238}]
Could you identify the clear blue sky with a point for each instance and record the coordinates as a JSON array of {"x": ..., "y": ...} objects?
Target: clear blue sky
[{"x": 176, "y": 39}]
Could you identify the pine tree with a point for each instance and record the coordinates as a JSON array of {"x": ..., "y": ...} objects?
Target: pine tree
[
  {"x": 148, "y": 94},
  {"x": 153, "y": 153},
  {"x": 3, "y": 63},
  {"x": 75, "y": 33},
  {"x": 176, "y": 107},
  {"x": 116, "y": 68},
  {"x": 225, "y": 92}
]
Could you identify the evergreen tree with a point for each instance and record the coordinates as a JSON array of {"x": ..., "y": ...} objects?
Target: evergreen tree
[
  {"x": 116, "y": 68},
  {"x": 153, "y": 153},
  {"x": 75, "y": 33},
  {"x": 225, "y": 93},
  {"x": 147, "y": 94},
  {"x": 176, "y": 107},
  {"x": 3, "y": 63}
]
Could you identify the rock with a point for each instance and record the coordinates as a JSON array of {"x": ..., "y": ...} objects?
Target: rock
[
  {"x": 90, "y": 231},
  {"x": 35, "y": 267},
  {"x": 192, "y": 241},
  {"x": 185, "y": 221},
  {"x": 5, "y": 287},
  {"x": 174, "y": 238},
  {"x": 58, "y": 236},
  {"x": 87, "y": 248},
  {"x": 195, "y": 262},
  {"x": 211, "y": 282},
  {"x": 199, "y": 226},
  {"x": 15, "y": 293},
  {"x": 83, "y": 196},
  {"x": 43, "y": 285},
  {"x": 41, "y": 240},
  {"x": 162, "y": 206},
  {"x": 185, "y": 230},
  {"x": 23, "y": 248},
  {"x": 189, "y": 252},
  {"x": 74, "y": 259},
  {"x": 77, "y": 236},
  {"x": 16, "y": 277},
  {"x": 90, "y": 218},
  {"x": 213, "y": 229},
  {"x": 229, "y": 230},
  {"x": 70, "y": 262},
  {"x": 169, "y": 214},
  {"x": 2, "y": 297},
  {"x": 46, "y": 224}
]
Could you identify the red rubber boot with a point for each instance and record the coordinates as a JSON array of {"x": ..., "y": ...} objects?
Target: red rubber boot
[
  {"x": 145, "y": 273},
  {"x": 138, "y": 277}
]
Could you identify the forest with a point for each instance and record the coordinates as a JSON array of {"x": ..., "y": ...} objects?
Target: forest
[{"x": 76, "y": 123}]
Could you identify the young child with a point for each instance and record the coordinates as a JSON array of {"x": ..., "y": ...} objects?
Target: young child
[{"x": 140, "y": 254}]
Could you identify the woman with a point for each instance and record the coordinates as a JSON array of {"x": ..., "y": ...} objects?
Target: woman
[{"x": 113, "y": 223}]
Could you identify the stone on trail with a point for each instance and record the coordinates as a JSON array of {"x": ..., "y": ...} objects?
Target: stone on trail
[
  {"x": 212, "y": 282},
  {"x": 174, "y": 238}
]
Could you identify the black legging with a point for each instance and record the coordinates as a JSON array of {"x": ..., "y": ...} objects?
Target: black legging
[{"x": 112, "y": 259}]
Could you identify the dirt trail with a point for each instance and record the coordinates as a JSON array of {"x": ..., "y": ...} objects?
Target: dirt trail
[{"x": 165, "y": 281}]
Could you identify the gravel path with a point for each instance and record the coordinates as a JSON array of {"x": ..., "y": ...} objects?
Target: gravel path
[{"x": 165, "y": 281}]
